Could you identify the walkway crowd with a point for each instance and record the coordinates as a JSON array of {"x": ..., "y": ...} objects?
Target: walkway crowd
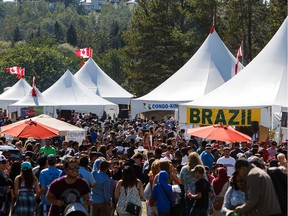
[{"x": 123, "y": 163}]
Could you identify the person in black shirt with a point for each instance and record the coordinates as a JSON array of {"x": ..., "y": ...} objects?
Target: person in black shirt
[{"x": 202, "y": 193}]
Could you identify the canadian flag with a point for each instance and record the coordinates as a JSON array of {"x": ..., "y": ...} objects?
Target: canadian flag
[
  {"x": 34, "y": 94},
  {"x": 238, "y": 57},
  {"x": 16, "y": 70},
  {"x": 21, "y": 74},
  {"x": 13, "y": 70},
  {"x": 84, "y": 53}
]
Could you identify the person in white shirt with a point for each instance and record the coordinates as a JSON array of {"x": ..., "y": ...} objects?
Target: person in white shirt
[{"x": 227, "y": 161}]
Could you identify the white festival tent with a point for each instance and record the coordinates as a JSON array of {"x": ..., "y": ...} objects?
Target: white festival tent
[
  {"x": 29, "y": 101},
  {"x": 261, "y": 84},
  {"x": 64, "y": 129},
  {"x": 15, "y": 93},
  {"x": 211, "y": 66},
  {"x": 70, "y": 94},
  {"x": 98, "y": 82}
]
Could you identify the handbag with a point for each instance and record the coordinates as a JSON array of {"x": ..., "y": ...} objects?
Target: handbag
[
  {"x": 133, "y": 209},
  {"x": 174, "y": 211}
]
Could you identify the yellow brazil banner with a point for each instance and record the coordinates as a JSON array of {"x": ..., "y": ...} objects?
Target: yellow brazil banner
[{"x": 237, "y": 117}]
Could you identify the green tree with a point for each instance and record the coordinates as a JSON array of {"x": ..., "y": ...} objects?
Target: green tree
[
  {"x": 59, "y": 34},
  {"x": 163, "y": 35},
  {"x": 17, "y": 36},
  {"x": 71, "y": 36},
  {"x": 46, "y": 60}
]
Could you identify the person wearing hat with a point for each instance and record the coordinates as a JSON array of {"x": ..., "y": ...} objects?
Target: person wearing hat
[
  {"x": 26, "y": 188},
  {"x": 45, "y": 178},
  {"x": 202, "y": 192},
  {"x": 207, "y": 157},
  {"x": 227, "y": 161}
]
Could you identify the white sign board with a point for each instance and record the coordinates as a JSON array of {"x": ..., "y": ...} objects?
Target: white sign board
[{"x": 78, "y": 136}]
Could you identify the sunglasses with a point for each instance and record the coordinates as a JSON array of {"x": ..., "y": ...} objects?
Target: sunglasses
[{"x": 73, "y": 167}]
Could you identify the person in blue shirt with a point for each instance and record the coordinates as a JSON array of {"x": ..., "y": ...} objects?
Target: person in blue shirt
[
  {"x": 45, "y": 178},
  {"x": 101, "y": 194},
  {"x": 163, "y": 198},
  {"x": 206, "y": 157}
]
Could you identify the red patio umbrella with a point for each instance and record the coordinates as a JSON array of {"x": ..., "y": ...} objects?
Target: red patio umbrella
[
  {"x": 28, "y": 129},
  {"x": 220, "y": 133}
]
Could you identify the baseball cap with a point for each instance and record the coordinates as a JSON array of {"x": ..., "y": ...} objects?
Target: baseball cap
[
  {"x": 26, "y": 165},
  {"x": 2, "y": 158},
  {"x": 208, "y": 146},
  {"x": 51, "y": 157},
  {"x": 199, "y": 168},
  {"x": 226, "y": 148}
]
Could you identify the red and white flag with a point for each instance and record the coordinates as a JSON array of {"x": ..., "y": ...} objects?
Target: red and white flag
[
  {"x": 13, "y": 70},
  {"x": 238, "y": 57},
  {"x": 213, "y": 26},
  {"x": 20, "y": 72},
  {"x": 84, "y": 53},
  {"x": 34, "y": 94}
]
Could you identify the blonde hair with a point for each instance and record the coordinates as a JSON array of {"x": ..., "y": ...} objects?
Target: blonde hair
[
  {"x": 193, "y": 160},
  {"x": 155, "y": 168}
]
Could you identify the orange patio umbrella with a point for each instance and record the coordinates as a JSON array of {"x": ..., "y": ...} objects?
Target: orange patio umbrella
[
  {"x": 220, "y": 133},
  {"x": 28, "y": 129}
]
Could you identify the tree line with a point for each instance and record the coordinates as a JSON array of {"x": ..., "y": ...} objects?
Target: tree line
[{"x": 139, "y": 46}]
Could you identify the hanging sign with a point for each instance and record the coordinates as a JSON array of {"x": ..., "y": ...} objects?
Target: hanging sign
[
  {"x": 236, "y": 117},
  {"x": 159, "y": 106}
]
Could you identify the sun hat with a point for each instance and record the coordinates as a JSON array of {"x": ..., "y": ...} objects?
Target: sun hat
[{"x": 140, "y": 149}]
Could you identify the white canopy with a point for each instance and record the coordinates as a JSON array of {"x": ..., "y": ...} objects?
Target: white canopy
[
  {"x": 69, "y": 94},
  {"x": 61, "y": 126},
  {"x": 210, "y": 67},
  {"x": 15, "y": 93},
  {"x": 29, "y": 101},
  {"x": 98, "y": 82},
  {"x": 262, "y": 83}
]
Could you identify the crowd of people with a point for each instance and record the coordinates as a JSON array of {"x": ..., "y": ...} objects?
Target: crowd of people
[{"x": 121, "y": 164}]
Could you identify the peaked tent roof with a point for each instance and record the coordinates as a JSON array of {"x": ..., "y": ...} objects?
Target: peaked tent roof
[
  {"x": 209, "y": 67},
  {"x": 97, "y": 81},
  {"x": 29, "y": 100},
  {"x": 69, "y": 93},
  {"x": 263, "y": 82},
  {"x": 15, "y": 93}
]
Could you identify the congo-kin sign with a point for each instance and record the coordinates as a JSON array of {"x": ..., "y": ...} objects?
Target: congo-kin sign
[{"x": 237, "y": 117}]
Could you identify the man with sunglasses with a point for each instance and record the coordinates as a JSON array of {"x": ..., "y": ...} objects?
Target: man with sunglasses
[{"x": 67, "y": 189}]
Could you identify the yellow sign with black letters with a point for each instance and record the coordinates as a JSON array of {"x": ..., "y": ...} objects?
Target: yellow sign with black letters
[{"x": 236, "y": 117}]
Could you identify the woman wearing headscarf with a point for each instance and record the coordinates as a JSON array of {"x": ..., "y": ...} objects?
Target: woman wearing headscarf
[
  {"x": 163, "y": 195},
  {"x": 220, "y": 186}
]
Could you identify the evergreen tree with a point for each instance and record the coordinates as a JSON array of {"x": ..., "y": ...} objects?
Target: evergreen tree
[
  {"x": 17, "y": 36},
  {"x": 163, "y": 35},
  {"x": 59, "y": 35},
  {"x": 71, "y": 36}
]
